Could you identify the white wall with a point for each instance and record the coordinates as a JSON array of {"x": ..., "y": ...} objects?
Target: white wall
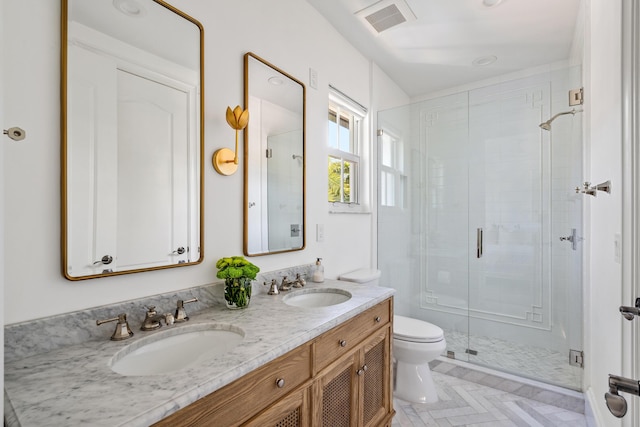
[
  {"x": 4, "y": 125},
  {"x": 287, "y": 33},
  {"x": 603, "y": 341}
]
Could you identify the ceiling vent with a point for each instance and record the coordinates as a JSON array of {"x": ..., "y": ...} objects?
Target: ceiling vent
[{"x": 386, "y": 14}]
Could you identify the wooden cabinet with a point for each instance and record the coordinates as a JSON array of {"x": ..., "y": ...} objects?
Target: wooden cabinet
[
  {"x": 341, "y": 378},
  {"x": 336, "y": 395},
  {"x": 237, "y": 402},
  {"x": 355, "y": 390},
  {"x": 343, "y": 338},
  {"x": 375, "y": 395},
  {"x": 291, "y": 411}
]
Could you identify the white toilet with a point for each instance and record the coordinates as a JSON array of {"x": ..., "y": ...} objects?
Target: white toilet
[{"x": 415, "y": 344}]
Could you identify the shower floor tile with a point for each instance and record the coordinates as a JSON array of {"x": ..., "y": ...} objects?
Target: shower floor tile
[
  {"x": 467, "y": 399},
  {"x": 536, "y": 363}
]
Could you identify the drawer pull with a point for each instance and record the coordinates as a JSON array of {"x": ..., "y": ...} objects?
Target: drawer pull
[
  {"x": 377, "y": 319},
  {"x": 343, "y": 343},
  {"x": 362, "y": 370},
  {"x": 280, "y": 382}
]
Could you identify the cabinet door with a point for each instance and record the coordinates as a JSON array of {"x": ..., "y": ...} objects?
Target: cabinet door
[
  {"x": 375, "y": 377},
  {"x": 337, "y": 398},
  {"x": 291, "y": 411}
]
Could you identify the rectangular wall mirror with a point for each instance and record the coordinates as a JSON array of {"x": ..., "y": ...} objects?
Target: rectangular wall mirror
[
  {"x": 274, "y": 150},
  {"x": 132, "y": 137}
]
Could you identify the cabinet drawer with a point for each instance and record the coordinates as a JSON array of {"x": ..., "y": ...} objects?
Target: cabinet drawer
[
  {"x": 343, "y": 338},
  {"x": 232, "y": 405}
]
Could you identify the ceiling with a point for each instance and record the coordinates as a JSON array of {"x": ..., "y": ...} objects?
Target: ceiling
[{"x": 437, "y": 49}]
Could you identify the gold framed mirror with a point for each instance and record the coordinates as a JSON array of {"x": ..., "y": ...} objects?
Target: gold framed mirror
[
  {"x": 132, "y": 109},
  {"x": 274, "y": 159}
]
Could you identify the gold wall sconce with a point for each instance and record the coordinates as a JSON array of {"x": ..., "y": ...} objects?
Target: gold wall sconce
[{"x": 225, "y": 161}]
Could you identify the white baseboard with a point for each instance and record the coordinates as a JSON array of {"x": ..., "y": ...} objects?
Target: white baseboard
[{"x": 591, "y": 412}]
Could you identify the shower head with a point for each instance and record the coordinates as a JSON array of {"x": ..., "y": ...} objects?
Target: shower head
[{"x": 547, "y": 125}]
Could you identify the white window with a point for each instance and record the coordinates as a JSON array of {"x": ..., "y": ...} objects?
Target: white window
[
  {"x": 393, "y": 181},
  {"x": 345, "y": 148}
]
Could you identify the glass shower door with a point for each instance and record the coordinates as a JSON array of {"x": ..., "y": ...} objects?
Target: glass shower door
[
  {"x": 522, "y": 318},
  {"x": 474, "y": 198},
  {"x": 509, "y": 277},
  {"x": 444, "y": 218}
]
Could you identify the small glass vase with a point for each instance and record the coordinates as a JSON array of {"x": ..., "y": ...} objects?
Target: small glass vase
[{"x": 237, "y": 292}]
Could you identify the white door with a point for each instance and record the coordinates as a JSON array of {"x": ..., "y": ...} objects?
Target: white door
[
  {"x": 147, "y": 235},
  {"x": 624, "y": 384},
  {"x": 107, "y": 149},
  {"x": 91, "y": 155}
]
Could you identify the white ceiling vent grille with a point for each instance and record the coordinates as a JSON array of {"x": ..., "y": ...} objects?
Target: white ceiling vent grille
[{"x": 386, "y": 14}]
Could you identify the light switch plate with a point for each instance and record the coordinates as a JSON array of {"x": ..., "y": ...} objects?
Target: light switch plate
[
  {"x": 319, "y": 232},
  {"x": 313, "y": 78}
]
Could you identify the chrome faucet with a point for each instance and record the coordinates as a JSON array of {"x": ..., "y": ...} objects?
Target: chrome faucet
[
  {"x": 285, "y": 285},
  {"x": 122, "y": 331},
  {"x": 299, "y": 282},
  {"x": 152, "y": 319},
  {"x": 181, "y": 314}
]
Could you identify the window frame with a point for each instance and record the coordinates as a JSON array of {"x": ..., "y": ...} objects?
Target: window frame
[
  {"x": 396, "y": 170},
  {"x": 346, "y": 108}
]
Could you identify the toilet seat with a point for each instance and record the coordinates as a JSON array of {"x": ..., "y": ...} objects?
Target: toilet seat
[{"x": 414, "y": 330}]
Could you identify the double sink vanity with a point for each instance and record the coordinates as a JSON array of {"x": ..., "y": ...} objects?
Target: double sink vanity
[{"x": 320, "y": 355}]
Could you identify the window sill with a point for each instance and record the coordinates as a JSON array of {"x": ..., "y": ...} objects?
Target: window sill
[
  {"x": 350, "y": 212},
  {"x": 348, "y": 209}
]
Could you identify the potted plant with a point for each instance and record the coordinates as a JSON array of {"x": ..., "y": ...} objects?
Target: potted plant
[{"x": 238, "y": 273}]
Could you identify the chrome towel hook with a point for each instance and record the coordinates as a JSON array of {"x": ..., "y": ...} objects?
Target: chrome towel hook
[{"x": 15, "y": 133}]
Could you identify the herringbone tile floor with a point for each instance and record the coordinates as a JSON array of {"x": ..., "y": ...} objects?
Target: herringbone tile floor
[{"x": 473, "y": 398}]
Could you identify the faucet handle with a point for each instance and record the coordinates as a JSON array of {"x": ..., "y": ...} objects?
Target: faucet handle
[
  {"x": 273, "y": 290},
  {"x": 122, "y": 331},
  {"x": 181, "y": 314}
]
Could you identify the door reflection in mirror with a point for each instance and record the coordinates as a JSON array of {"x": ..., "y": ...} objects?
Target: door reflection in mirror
[{"x": 132, "y": 136}]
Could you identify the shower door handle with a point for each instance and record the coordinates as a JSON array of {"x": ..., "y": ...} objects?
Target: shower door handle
[{"x": 479, "y": 243}]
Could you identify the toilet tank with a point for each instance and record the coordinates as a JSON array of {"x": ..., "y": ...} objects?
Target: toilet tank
[{"x": 364, "y": 276}]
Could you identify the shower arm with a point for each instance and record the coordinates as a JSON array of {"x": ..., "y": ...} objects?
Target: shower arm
[
  {"x": 572, "y": 112},
  {"x": 547, "y": 125}
]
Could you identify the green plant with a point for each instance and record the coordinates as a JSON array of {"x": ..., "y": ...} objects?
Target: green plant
[
  {"x": 236, "y": 267},
  {"x": 237, "y": 273},
  {"x": 339, "y": 181}
]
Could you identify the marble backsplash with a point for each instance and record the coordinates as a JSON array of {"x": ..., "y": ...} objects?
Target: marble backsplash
[{"x": 51, "y": 333}]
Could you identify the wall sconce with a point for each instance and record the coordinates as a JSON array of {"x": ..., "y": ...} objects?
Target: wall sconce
[{"x": 225, "y": 161}]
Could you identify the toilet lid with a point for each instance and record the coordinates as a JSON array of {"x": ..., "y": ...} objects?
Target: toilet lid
[
  {"x": 408, "y": 329},
  {"x": 361, "y": 276}
]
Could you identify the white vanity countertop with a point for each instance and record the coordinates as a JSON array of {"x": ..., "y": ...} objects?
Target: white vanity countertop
[{"x": 75, "y": 386}]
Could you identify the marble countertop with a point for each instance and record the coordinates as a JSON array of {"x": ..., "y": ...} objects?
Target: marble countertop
[{"x": 75, "y": 386}]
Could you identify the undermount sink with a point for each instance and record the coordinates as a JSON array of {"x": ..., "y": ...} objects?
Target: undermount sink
[
  {"x": 320, "y": 297},
  {"x": 175, "y": 349}
]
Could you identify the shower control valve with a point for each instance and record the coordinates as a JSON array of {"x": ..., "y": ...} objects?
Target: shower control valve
[
  {"x": 586, "y": 189},
  {"x": 592, "y": 191}
]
